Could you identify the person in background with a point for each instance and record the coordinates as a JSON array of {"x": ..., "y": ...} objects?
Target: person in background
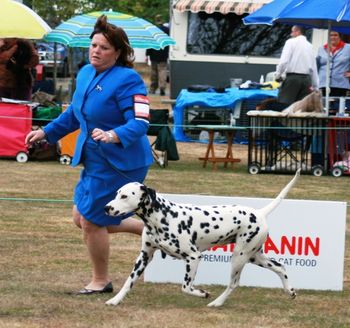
[
  {"x": 339, "y": 66},
  {"x": 159, "y": 60},
  {"x": 18, "y": 57},
  {"x": 111, "y": 108},
  {"x": 296, "y": 68}
]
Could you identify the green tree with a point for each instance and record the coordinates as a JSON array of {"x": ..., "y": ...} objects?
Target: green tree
[{"x": 60, "y": 10}]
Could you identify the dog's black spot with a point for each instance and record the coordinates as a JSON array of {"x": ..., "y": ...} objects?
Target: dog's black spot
[
  {"x": 194, "y": 237},
  {"x": 204, "y": 225},
  {"x": 207, "y": 231},
  {"x": 137, "y": 265},
  {"x": 213, "y": 218},
  {"x": 216, "y": 226},
  {"x": 252, "y": 234},
  {"x": 206, "y": 213},
  {"x": 252, "y": 218},
  {"x": 275, "y": 262}
]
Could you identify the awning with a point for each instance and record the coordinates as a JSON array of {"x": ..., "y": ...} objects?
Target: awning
[{"x": 238, "y": 7}]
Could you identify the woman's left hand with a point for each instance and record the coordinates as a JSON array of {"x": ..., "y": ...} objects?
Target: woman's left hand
[{"x": 104, "y": 136}]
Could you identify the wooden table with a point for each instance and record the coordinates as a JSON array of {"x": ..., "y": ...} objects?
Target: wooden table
[{"x": 210, "y": 156}]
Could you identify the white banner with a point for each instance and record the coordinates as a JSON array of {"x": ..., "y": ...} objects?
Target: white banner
[{"x": 308, "y": 237}]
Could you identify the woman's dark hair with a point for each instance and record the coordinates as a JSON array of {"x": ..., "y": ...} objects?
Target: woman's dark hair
[{"x": 117, "y": 37}]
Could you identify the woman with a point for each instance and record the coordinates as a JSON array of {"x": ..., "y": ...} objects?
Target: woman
[
  {"x": 339, "y": 66},
  {"x": 17, "y": 59},
  {"x": 111, "y": 109}
]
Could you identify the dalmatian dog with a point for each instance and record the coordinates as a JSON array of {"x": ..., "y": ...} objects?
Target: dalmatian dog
[{"x": 185, "y": 231}]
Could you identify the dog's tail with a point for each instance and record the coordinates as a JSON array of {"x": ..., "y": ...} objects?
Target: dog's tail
[{"x": 271, "y": 206}]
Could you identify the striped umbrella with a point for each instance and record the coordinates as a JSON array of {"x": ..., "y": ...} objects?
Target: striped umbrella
[
  {"x": 19, "y": 21},
  {"x": 75, "y": 32}
]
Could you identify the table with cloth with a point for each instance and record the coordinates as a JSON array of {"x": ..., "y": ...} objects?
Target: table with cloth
[{"x": 228, "y": 100}]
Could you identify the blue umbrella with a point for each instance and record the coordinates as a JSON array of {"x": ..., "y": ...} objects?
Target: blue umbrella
[
  {"x": 267, "y": 13},
  {"x": 324, "y": 14},
  {"x": 308, "y": 13},
  {"x": 76, "y": 31},
  {"x": 317, "y": 13}
]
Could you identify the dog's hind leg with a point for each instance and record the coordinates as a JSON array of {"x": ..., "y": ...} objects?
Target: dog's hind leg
[
  {"x": 192, "y": 262},
  {"x": 262, "y": 260},
  {"x": 143, "y": 259},
  {"x": 238, "y": 261}
]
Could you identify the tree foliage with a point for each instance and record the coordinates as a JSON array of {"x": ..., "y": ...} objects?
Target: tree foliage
[{"x": 56, "y": 11}]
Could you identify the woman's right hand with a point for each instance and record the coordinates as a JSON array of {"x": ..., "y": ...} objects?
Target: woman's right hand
[{"x": 34, "y": 136}]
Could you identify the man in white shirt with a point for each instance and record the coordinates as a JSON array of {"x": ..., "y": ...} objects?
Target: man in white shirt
[{"x": 298, "y": 65}]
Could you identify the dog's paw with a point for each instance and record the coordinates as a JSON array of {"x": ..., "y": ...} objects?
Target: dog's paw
[
  {"x": 113, "y": 301},
  {"x": 204, "y": 293},
  {"x": 214, "y": 304},
  {"x": 292, "y": 293}
]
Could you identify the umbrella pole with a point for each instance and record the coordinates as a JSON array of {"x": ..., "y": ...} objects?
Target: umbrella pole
[
  {"x": 70, "y": 65},
  {"x": 54, "y": 67},
  {"x": 328, "y": 67}
]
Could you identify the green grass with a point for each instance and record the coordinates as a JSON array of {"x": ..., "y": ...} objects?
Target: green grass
[{"x": 43, "y": 258}]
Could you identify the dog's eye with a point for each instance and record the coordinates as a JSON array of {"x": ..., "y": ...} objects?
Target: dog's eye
[{"x": 123, "y": 196}]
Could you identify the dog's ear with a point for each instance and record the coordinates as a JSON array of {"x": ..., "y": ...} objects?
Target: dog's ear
[
  {"x": 151, "y": 193},
  {"x": 153, "y": 196}
]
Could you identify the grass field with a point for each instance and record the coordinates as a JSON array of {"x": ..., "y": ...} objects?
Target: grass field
[{"x": 43, "y": 259}]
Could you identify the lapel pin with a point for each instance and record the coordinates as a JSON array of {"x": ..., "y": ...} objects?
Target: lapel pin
[{"x": 98, "y": 87}]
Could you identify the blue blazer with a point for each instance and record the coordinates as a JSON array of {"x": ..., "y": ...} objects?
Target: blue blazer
[{"x": 106, "y": 101}]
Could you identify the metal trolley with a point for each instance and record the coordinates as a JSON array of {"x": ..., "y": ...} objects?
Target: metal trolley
[
  {"x": 338, "y": 141},
  {"x": 283, "y": 144}
]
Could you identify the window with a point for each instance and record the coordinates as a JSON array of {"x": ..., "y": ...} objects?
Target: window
[{"x": 219, "y": 34}]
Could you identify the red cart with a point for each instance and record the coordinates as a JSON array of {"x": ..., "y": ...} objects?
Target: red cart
[
  {"x": 15, "y": 124},
  {"x": 339, "y": 140}
]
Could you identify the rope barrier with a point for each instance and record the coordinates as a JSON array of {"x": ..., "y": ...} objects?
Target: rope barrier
[
  {"x": 35, "y": 200},
  {"x": 14, "y": 199},
  {"x": 238, "y": 127}
]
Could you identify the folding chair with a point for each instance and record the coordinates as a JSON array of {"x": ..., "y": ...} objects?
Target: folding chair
[
  {"x": 158, "y": 121},
  {"x": 288, "y": 146}
]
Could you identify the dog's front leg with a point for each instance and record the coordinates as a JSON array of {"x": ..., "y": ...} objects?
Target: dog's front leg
[
  {"x": 141, "y": 262},
  {"x": 192, "y": 262}
]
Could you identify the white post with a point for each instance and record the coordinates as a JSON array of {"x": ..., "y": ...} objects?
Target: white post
[{"x": 328, "y": 68}]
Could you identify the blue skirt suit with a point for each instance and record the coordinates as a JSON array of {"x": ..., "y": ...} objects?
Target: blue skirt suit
[{"x": 114, "y": 99}]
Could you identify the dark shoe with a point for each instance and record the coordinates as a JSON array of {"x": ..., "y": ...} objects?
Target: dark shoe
[
  {"x": 106, "y": 289},
  {"x": 162, "y": 92}
]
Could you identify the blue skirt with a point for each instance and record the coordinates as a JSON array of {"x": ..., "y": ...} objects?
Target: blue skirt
[{"x": 98, "y": 184}]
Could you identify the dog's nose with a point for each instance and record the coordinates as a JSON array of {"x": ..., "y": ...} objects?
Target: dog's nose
[{"x": 108, "y": 208}]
